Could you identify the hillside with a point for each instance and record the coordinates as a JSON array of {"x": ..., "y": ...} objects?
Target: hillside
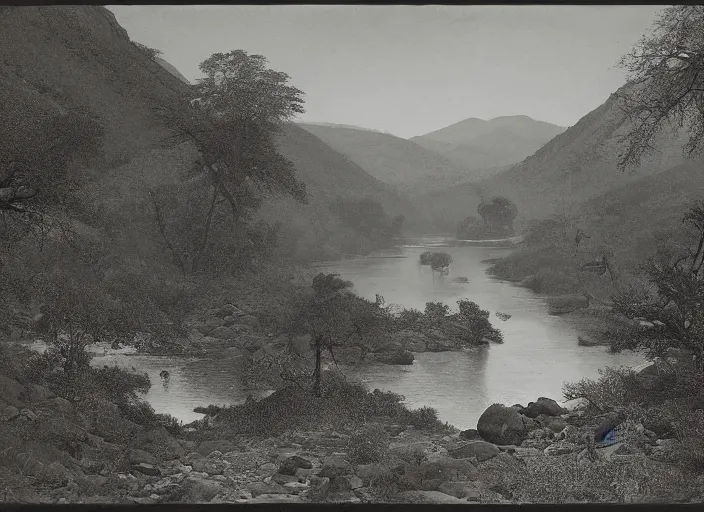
[
  {"x": 487, "y": 147},
  {"x": 575, "y": 166},
  {"x": 398, "y": 162},
  {"x": 171, "y": 69}
]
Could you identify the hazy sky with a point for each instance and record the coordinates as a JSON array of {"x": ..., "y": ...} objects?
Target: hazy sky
[{"x": 410, "y": 70}]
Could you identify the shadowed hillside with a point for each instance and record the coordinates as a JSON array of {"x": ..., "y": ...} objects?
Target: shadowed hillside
[
  {"x": 487, "y": 147},
  {"x": 398, "y": 162}
]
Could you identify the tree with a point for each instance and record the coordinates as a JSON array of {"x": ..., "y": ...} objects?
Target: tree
[
  {"x": 335, "y": 317},
  {"x": 233, "y": 117},
  {"x": 665, "y": 82},
  {"x": 498, "y": 215},
  {"x": 674, "y": 306}
]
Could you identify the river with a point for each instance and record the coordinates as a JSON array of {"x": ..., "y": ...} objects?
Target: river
[{"x": 539, "y": 353}]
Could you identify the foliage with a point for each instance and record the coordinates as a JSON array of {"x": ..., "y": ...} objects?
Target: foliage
[
  {"x": 674, "y": 307},
  {"x": 498, "y": 215},
  {"x": 477, "y": 320},
  {"x": 152, "y": 53},
  {"x": 369, "y": 444},
  {"x": 436, "y": 260},
  {"x": 233, "y": 118},
  {"x": 666, "y": 87},
  {"x": 470, "y": 228}
]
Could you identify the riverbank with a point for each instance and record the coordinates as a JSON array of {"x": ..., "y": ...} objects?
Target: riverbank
[{"x": 349, "y": 446}]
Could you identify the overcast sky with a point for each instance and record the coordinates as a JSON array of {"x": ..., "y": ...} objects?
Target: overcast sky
[{"x": 410, "y": 70}]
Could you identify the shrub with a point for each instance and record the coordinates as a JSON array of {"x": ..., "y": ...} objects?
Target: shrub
[{"x": 370, "y": 444}]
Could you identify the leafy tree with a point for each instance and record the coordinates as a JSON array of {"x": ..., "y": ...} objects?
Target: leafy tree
[
  {"x": 468, "y": 228},
  {"x": 233, "y": 117},
  {"x": 666, "y": 82},
  {"x": 674, "y": 303},
  {"x": 498, "y": 215}
]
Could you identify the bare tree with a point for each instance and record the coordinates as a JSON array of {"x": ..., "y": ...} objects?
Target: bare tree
[{"x": 666, "y": 83}]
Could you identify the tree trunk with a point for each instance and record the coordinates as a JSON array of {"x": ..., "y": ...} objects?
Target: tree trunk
[{"x": 318, "y": 365}]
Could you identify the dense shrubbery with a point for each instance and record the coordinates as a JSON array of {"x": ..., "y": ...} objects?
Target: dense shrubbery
[
  {"x": 341, "y": 403},
  {"x": 369, "y": 444}
]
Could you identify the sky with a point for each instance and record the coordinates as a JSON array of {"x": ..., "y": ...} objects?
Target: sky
[{"x": 409, "y": 70}]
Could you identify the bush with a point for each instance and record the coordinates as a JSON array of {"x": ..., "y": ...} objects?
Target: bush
[{"x": 370, "y": 444}]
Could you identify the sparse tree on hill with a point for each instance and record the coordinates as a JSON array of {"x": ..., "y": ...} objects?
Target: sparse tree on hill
[
  {"x": 674, "y": 304},
  {"x": 666, "y": 82}
]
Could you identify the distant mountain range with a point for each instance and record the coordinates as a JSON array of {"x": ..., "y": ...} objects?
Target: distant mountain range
[
  {"x": 407, "y": 166},
  {"x": 486, "y": 148}
]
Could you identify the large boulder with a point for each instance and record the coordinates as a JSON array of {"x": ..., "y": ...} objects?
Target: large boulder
[
  {"x": 502, "y": 425},
  {"x": 480, "y": 450},
  {"x": 229, "y": 310},
  {"x": 11, "y": 391},
  {"x": 545, "y": 406},
  {"x": 471, "y": 434},
  {"x": 199, "y": 490},
  {"x": 251, "y": 321},
  {"x": 223, "y": 333}
]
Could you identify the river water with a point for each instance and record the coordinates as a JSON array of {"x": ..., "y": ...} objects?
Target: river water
[{"x": 539, "y": 353}]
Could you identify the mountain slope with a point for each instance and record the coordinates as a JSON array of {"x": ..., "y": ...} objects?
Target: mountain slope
[
  {"x": 488, "y": 146},
  {"x": 399, "y": 162},
  {"x": 171, "y": 69},
  {"x": 575, "y": 166}
]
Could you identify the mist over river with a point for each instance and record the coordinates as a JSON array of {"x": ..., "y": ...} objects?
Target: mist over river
[{"x": 539, "y": 353}]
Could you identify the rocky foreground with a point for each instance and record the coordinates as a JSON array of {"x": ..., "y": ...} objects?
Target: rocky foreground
[{"x": 53, "y": 451}]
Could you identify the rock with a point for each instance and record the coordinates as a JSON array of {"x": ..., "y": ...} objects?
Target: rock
[
  {"x": 570, "y": 431},
  {"x": 561, "y": 448},
  {"x": 471, "y": 434},
  {"x": 578, "y": 404},
  {"x": 276, "y": 498},
  {"x": 291, "y": 464},
  {"x": 403, "y": 357},
  {"x": 557, "y": 425},
  {"x": 9, "y": 413},
  {"x": 369, "y": 473},
  {"x": 347, "y": 482},
  {"x": 57, "y": 473},
  {"x": 282, "y": 479},
  {"x": 27, "y": 415},
  {"x": 481, "y": 450},
  {"x": 522, "y": 453},
  {"x": 229, "y": 320},
  {"x": 146, "y": 469},
  {"x": 460, "y": 489},
  {"x": 211, "y": 467},
  {"x": 205, "y": 448},
  {"x": 267, "y": 469},
  {"x": 257, "y": 488},
  {"x": 35, "y": 393},
  {"x": 320, "y": 488},
  {"x": 137, "y": 456},
  {"x": 11, "y": 391},
  {"x": 606, "y": 424},
  {"x": 334, "y": 467},
  {"x": 199, "y": 490},
  {"x": 446, "y": 468},
  {"x": 427, "y": 497},
  {"x": 229, "y": 310},
  {"x": 544, "y": 406},
  {"x": 501, "y": 425}
]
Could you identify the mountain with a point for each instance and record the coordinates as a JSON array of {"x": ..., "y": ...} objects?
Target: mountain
[
  {"x": 487, "y": 147},
  {"x": 573, "y": 167},
  {"x": 60, "y": 58},
  {"x": 393, "y": 160},
  {"x": 171, "y": 69}
]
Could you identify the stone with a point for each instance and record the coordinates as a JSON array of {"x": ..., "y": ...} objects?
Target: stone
[
  {"x": 501, "y": 425},
  {"x": 557, "y": 425},
  {"x": 471, "y": 434},
  {"x": 291, "y": 464},
  {"x": 229, "y": 320},
  {"x": 146, "y": 469},
  {"x": 276, "y": 498},
  {"x": 460, "y": 489},
  {"x": 447, "y": 468},
  {"x": 251, "y": 321},
  {"x": 577, "y": 404},
  {"x": 57, "y": 473},
  {"x": 35, "y": 393},
  {"x": 480, "y": 450},
  {"x": 334, "y": 466},
  {"x": 137, "y": 456},
  {"x": 199, "y": 490},
  {"x": 205, "y": 448},
  {"x": 267, "y": 469},
  {"x": 370, "y": 473},
  {"x": 211, "y": 467},
  {"x": 605, "y": 425},
  {"x": 282, "y": 479},
  {"x": 257, "y": 488},
  {"x": 427, "y": 497},
  {"x": 545, "y": 406},
  {"x": 9, "y": 413},
  {"x": 295, "y": 486},
  {"x": 348, "y": 482},
  {"x": 11, "y": 391},
  {"x": 561, "y": 448},
  {"x": 320, "y": 488},
  {"x": 229, "y": 310},
  {"x": 27, "y": 415},
  {"x": 223, "y": 333}
]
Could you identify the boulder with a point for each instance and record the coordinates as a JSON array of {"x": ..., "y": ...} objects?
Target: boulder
[
  {"x": 257, "y": 488},
  {"x": 205, "y": 448},
  {"x": 460, "y": 489},
  {"x": 57, "y": 473},
  {"x": 334, "y": 467},
  {"x": 210, "y": 324},
  {"x": 35, "y": 393},
  {"x": 9, "y": 413},
  {"x": 229, "y": 320},
  {"x": 501, "y": 425},
  {"x": 347, "y": 483},
  {"x": 146, "y": 469},
  {"x": 427, "y": 497},
  {"x": 481, "y": 450},
  {"x": 447, "y": 468},
  {"x": 562, "y": 304},
  {"x": 211, "y": 467},
  {"x": 370, "y": 473},
  {"x": 199, "y": 490},
  {"x": 229, "y": 310},
  {"x": 545, "y": 406},
  {"x": 471, "y": 434},
  {"x": 137, "y": 456},
  {"x": 11, "y": 391},
  {"x": 403, "y": 357},
  {"x": 291, "y": 464},
  {"x": 605, "y": 425}
]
